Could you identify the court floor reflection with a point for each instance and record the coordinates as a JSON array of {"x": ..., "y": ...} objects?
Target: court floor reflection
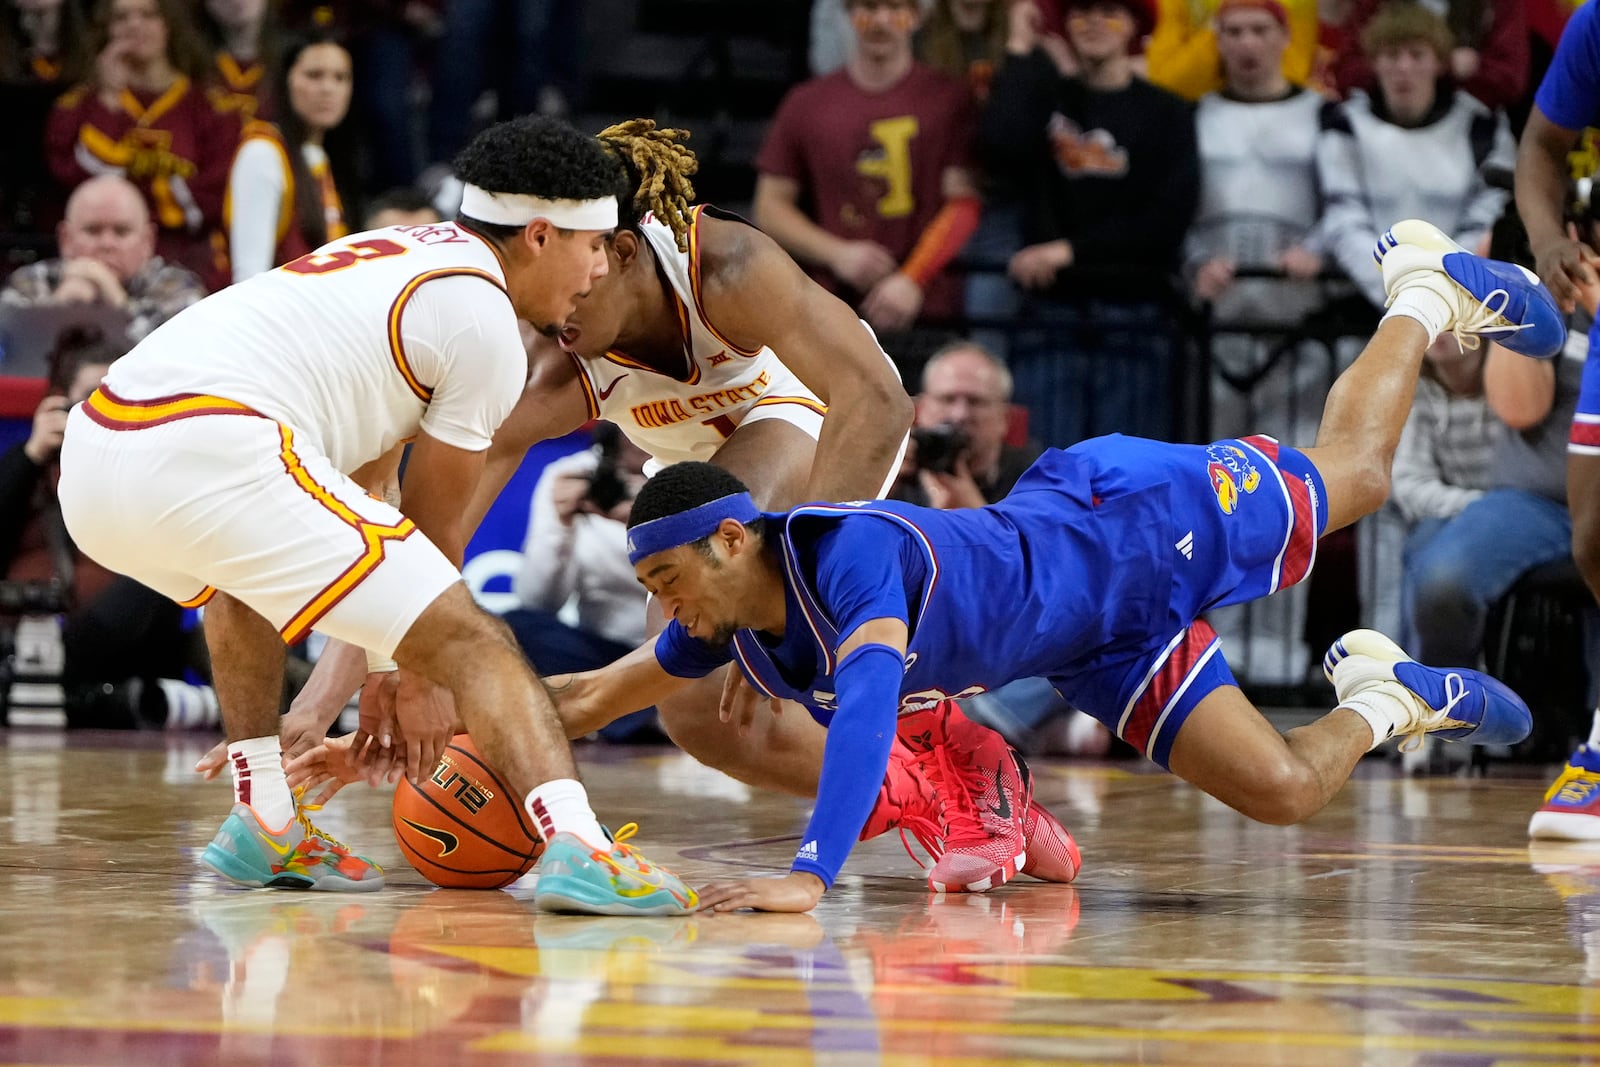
[{"x": 1410, "y": 924}]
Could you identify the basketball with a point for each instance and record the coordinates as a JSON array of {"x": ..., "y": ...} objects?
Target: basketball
[{"x": 462, "y": 828}]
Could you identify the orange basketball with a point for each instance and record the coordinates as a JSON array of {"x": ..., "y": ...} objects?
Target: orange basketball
[{"x": 462, "y": 828}]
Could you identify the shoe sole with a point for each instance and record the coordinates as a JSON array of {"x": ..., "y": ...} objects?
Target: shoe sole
[
  {"x": 1493, "y": 729},
  {"x": 238, "y": 872},
  {"x": 1036, "y": 860},
  {"x": 1000, "y": 877},
  {"x": 1564, "y": 826},
  {"x": 553, "y": 892},
  {"x": 1368, "y": 643},
  {"x": 1471, "y": 272}
]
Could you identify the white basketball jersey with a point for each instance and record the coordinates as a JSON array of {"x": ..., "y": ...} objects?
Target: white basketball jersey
[
  {"x": 355, "y": 347},
  {"x": 688, "y": 415}
]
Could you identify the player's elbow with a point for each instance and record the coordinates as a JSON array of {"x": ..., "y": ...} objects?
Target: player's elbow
[{"x": 885, "y": 402}]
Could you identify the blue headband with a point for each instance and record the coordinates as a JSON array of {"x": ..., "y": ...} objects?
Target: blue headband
[{"x": 670, "y": 531}]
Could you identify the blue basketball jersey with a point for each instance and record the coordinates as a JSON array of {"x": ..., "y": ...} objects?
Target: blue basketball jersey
[{"x": 1075, "y": 565}]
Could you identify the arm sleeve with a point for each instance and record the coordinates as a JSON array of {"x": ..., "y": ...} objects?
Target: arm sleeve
[
  {"x": 1569, "y": 95},
  {"x": 256, "y": 189},
  {"x": 854, "y": 759},
  {"x": 945, "y": 235},
  {"x": 459, "y": 336},
  {"x": 549, "y": 571},
  {"x": 683, "y": 656}
]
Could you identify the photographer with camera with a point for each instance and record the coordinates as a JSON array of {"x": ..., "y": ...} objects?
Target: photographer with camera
[
  {"x": 958, "y": 456},
  {"x": 577, "y": 550},
  {"x": 117, "y": 638}
]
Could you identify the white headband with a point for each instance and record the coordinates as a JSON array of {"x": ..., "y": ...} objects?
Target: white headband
[{"x": 519, "y": 209}]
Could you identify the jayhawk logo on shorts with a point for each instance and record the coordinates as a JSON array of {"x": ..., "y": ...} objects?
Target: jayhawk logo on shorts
[{"x": 1231, "y": 473}]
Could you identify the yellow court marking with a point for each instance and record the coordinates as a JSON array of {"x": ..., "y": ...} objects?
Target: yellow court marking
[{"x": 659, "y": 1021}]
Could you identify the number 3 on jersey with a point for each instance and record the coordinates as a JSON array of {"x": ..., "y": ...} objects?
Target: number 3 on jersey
[{"x": 348, "y": 256}]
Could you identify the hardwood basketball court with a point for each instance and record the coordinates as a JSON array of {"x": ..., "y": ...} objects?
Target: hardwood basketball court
[{"x": 1410, "y": 923}]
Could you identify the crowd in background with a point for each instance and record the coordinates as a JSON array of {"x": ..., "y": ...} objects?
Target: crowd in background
[{"x": 1061, "y": 188}]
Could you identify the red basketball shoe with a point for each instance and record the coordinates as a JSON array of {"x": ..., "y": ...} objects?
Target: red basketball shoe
[
  {"x": 1052, "y": 853},
  {"x": 909, "y": 803},
  {"x": 984, "y": 791}
]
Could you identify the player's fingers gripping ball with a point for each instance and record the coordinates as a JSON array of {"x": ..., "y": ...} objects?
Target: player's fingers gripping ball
[{"x": 462, "y": 827}]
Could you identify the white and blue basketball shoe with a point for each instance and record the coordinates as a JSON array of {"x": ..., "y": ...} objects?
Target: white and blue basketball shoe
[
  {"x": 1452, "y": 703},
  {"x": 1500, "y": 301}
]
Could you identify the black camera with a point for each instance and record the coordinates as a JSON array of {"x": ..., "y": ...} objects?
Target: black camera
[
  {"x": 938, "y": 447},
  {"x": 607, "y": 487},
  {"x": 52, "y": 597}
]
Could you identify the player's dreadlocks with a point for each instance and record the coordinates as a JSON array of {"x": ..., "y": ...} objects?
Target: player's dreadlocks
[{"x": 658, "y": 174}]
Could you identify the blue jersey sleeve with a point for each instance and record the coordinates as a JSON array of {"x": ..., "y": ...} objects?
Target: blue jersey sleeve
[
  {"x": 1569, "y": 95},
  {"x": 854, "y": 759},
  {"x": 683, "y": 656},
  {"x": 860, "y": 574}
]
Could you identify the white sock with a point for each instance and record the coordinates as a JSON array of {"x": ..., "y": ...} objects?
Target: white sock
[
  {"x": 562, "y": 807},
  {"x": 258, "y": 780},
  {"x": 1422, "y": 303},
  {"x": 1383, "y": 712},
  {"x": 1594, "y": 730}
]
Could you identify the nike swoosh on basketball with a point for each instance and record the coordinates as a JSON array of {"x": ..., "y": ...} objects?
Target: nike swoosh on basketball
[
  {"x": 1002, "y": 809},
  {"x": 605, "y": 394},
  {"x": 448, "y": 842}
]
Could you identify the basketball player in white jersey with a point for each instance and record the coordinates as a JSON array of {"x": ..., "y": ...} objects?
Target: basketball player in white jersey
[{"x": 224, "y": 462}]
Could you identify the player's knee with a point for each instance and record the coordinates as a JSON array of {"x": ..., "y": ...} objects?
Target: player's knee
[
  {"x": 1281, "y": 793},
  {"x": 1371, "y": 483},
  {"x": 455, "y": 632},
  {"x": 683, "y": 719}
]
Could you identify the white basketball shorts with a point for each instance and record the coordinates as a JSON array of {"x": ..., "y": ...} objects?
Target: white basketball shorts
[{"x": 194, "y": 494}]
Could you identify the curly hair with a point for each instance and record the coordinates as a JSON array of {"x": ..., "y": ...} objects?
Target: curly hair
[
  {"x": 657, "y": 179},
  {"x": 683, "y": 486},
  {"x": 536, "y": 155}
]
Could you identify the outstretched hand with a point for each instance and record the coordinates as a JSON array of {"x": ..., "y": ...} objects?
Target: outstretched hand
[
  {"x": 740, "y": 702},
  {"x": 325, "y": 769},
  {"x": 426, "y": 716},
  {"x": 795, "y": 891}
]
